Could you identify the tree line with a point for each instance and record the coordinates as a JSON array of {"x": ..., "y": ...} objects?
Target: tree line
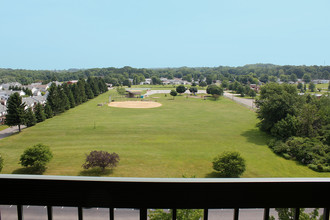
[
  {"x": 60, "y": 99},
  {"x": 120, "y": 76},
  {"x": 300, "y": 124}
]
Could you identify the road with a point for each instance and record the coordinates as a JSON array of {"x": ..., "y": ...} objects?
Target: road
[
  {"x": 9, "y": 131},
  {"x": 245, "y": 102},
  {"x": 70, "y": 213}
]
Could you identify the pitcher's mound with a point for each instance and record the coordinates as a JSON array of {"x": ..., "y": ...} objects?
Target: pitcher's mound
[{"x": 135, "y": 104}]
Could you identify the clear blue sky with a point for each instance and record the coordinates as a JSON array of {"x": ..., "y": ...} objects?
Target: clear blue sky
[{"x": 62, "y": 34}]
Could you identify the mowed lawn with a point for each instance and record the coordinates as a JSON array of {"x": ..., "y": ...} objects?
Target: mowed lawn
[{"x": 179, "y": 138}]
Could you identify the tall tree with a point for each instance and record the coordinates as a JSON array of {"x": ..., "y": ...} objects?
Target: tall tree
[
  {"x": 15, "y": 111},
  {"x": 30, "y": 118},
  {"x": 40, "y": 113},
  {"x": 54, "y": 99}
]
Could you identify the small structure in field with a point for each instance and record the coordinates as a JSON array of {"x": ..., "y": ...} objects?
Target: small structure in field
[{"x": 133, "y": 94}]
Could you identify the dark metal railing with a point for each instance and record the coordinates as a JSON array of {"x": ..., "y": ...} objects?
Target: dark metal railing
[{"x": 164, "y": 193}]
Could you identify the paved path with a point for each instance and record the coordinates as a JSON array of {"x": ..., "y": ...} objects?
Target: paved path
[
  {"x": 249, "y": 103},
  {"x": 152, "y": 92},
  {"x": 10, "y": 131}
]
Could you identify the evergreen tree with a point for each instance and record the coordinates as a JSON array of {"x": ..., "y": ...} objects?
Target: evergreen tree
[
  {"x": 39, "y": 113},
  {"x": 48, "y": 111},
  {"x": 15, "y": 111},
  {"x": 71, "y": 99},
  {"x": 65, "y": 103},
  {"x": 54, "y": 99},
  {"x": 68, "y": 91},
  {"x": 30, "y": 118},
  {"x": 76, "y": 94},
  {"x": 89, "y": 92},
  {"x": 94, "y": 86},
  {"x": 81, "y": 88}
]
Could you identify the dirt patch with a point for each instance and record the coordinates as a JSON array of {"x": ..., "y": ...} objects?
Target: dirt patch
[{"x": 135, "y": 104}]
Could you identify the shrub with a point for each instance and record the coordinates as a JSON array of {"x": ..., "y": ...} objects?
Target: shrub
[
  {"x": 101, "y": 159},
  {"x": 1, "y": 162},
  {"x": 36, "y": 157},
  {"x": 229, "y": 164}
]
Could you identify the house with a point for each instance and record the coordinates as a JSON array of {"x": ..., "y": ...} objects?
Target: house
[
  {"x": 7, "y": 85},
  {"x": 255, "y": 87},
  {"x": 3, "y": 112},
  {"x": 72, "y": 82},
  {"x": 4, "y": 94},
  {"x": 39, "y": 99},
  {"x": 29, "y": 102}
]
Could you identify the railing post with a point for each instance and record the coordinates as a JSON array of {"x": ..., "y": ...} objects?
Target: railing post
[
  {"x": 326, "y": 214},
  {"x": 19, "y": 212},
  {"x": 80, "y": 213},
  {"x": 50, "y": 212},
  {"x": 206, "y": 214},
  {"x": 143, "y": 214},
  {"x": 236, "y": 213},
  {"x": 296, "y": 213},
  {"x": 173, "y": 214},
  {"x": 111, "y": 214},
  {"x": 266, "y": 214}
]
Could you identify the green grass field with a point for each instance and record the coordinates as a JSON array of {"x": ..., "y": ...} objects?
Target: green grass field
[{"x": 179, "y": 138}]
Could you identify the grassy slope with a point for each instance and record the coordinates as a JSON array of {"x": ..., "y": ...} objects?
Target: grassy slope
[{"x": 179, "y": 138}]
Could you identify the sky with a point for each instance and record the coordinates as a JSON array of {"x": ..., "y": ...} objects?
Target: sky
[{"x": 63, "y": 34}]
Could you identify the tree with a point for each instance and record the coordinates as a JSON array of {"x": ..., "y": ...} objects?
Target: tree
[
  {"x": 181, "y": 89},
  {"x": 293, "y": 77},
  {"x": 30, "y": 118},
  {"x": 312, "y": 87},
  {"x": 202, "y": 84},
  {"x": 275, "y": 103},
  {"x": 101, "y": 159},
  {"x": 193, "y": 90},
  {"x": 307, "y": 78},
  {"x": 252, "y": 93},
  {"x": 1, "y": 162},
  {"x": 182, "y": 214},
  {"x": 15, "y": 111},
  {"x": 54, "y": 99},
  {"x": 214, "y": 90},
  {"x": 329, "y": 86},
  {"x": 39, "y": 113},
  {"x": 48, "y": 111},
  {"x": 229, "y": 164},
  {"x": 36, "y": 157},
  {"x": 121, "y": 90},
  {"x": 288, "y": 214},
  {"x": 173, "y": 93}
]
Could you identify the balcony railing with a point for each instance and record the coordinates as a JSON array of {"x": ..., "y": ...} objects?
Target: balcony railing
[{"x": 164, "y": 193}]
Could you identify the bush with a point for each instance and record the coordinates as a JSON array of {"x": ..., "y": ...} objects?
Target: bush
[
  {"x": 1, "y": 162},
  {"x": 229, "y": 164},
  {"x": 36, "y": 157},
  {"x": 101, "y": 159}
]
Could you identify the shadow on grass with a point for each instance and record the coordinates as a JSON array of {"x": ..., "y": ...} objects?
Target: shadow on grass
[
  {"x": 28, "y": 170},
  {"x": 217, "y": 175},
  {"x": 96, "y": 172},
  {"x": 256, "y": 136},
  {"x": 214, "y": 175}
]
